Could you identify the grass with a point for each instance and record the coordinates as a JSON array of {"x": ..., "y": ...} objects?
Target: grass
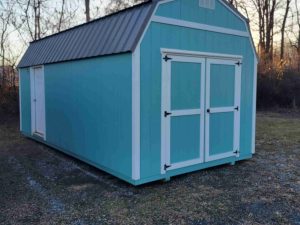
[{"x": 42, "y": 186}]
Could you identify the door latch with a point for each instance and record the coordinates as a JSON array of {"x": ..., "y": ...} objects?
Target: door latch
[
  {"x": 166, "y": 166},
  {"x": 208, "y": 110},
  {"x": 167, "y": 114},
  {"x": 236, "y": 108},
  {"x": 239, "y": 63}
]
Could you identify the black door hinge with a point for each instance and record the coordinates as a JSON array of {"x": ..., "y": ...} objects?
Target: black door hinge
[
  {"x": 236, "y": 152},
  {"x": 167, "y": 114},
  {"x": 236, "y": 108},
  {"x": 166, "y": 166},
  {"x": 208, "y": 110},
  {"x": 239, "y": 63},
  {"x": 166, "y": 58}
]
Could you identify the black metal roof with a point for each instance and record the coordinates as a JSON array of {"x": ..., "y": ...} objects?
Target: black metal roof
[{"x": 116, "y": 33}]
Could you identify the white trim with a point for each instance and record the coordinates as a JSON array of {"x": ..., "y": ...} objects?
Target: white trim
[
  {"x": 31, "y": 100},
  {"x": 187, "y": 112},
  {"x": 185, "y": 164},
  {"x": 254, "y": 106},
  {"x": 150, "y": 20},
  {"x": 20, "y": 101},
  {"x": 178, "y": 52},
  {"x": 236, "y": 138},
  {"x": 33, "y": 111},
  {"x": 166, "y": 106},
  {"x": 198, "y": 26},
  {"x": 136, "y": 114},
  {"x": 222, "y": 109}
]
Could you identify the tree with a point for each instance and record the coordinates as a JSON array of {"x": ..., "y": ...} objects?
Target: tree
[
  {"x": 266, "y": 21},
  {"x": 117, "y": 5},
  {"x": 287, "y": 9},
  {"x": 87, "y": 10},
  {"x": 296, "y": 43},
  {"x": 5, "y": 20}
]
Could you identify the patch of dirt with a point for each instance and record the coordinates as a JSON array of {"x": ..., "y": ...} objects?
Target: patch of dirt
[{"x": 42, "y": 186}]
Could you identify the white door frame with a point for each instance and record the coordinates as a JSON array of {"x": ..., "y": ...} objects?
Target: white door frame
[
  {"x": 237, "y": 103},
  {"x": 33, "y": 102},
  {"x": 166, "y": 106}
]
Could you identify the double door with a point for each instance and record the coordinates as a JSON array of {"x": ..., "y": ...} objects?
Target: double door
[{"x": 200, "y": 110}]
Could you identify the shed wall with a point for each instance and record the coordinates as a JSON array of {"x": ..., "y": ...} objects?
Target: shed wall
[
  {"x": 88, "y": 110},
  {"x": 174, "y": 37}
]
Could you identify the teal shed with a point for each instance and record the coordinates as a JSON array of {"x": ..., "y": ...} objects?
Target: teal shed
[{"x": 157, "y": 90}]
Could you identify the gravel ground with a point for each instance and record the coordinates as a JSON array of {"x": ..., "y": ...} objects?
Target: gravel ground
[{"x": 39, "y": 185}]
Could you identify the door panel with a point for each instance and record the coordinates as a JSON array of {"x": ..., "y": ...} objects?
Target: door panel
[
  {"x": 221, "y": 133},
  {"x": 222, "y": 79},
  {"x": 185, "y": 134},
  {"x": 182, "y": 112},
  {"x": 223, "y": 109},
  {"x": 39, "y": 103},
  {"x": 185, "y": 85}
]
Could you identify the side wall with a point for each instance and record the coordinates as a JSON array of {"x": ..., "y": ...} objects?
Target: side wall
[
  {"x": 161, "y": 35},
  {"x": 88, "y": 110}
]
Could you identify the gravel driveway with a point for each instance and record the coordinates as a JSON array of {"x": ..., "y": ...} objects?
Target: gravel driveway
[{"x": 39, "y": 185}]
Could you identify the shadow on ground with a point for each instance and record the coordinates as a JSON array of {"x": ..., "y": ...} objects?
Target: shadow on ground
[{"x": 42, "y": 186}]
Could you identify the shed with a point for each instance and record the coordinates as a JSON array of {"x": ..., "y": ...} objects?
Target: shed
[{"x": 157, "y": 90}]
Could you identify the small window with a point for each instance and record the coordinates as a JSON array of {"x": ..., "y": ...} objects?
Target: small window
[{"x": 208, "y": 4}]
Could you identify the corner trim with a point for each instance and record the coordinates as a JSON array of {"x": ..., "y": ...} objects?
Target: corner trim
[
  {"x": 136, "y": 114},
  {"x": 20, "y": 101},
  {"x": 254, "y": 105}
]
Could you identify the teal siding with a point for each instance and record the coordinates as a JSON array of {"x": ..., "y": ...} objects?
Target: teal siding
[
  {"x": 185, "y": 135},
  {"x": 88, "y": 111},
  {"x": 184, "y": 76},
  {"x": 189, "y": 10},
  {"x": 25, "y": 101},
  {"x": 167, "y": 36}
]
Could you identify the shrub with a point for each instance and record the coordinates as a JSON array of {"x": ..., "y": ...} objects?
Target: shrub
[{"x": 278, "y": 90}]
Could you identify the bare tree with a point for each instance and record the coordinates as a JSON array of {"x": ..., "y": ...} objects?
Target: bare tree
[
  {"x": 287, "y": 9},
  {"x": 296, "y": 43},
  {"x": 266, "y": 21},
  {"x": 87, "y": 10},
  {"x": 61, "y": 16},
  {"x": 117, "y": 5},
  {"x": 5, "y": 20}
]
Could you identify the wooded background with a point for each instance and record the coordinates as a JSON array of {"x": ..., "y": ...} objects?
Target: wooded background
[{"x": 275, "y": 25}]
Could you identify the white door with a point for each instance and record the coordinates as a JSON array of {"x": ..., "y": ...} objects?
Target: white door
[
  {"x": 38, "y": 101},
  {"x": 222, "y": 121},
  {"x": 183, "y": 81}
]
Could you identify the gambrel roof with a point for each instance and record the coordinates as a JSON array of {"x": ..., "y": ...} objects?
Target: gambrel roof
[{"x": 113, "y": 34}]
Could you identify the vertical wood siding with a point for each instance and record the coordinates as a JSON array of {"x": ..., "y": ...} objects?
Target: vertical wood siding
[
  {"x": 174, "y": 37},
  {"x": 88, "y": 110}
]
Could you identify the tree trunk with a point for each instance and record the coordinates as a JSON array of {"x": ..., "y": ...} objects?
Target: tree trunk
[
  {"x": 87, "y": 10},
  {"x": 287, "y": 9},
  {"x": 61, "y": 17}
]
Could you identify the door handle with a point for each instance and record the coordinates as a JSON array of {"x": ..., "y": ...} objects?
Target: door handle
[
  {"x": 167, "y": 114},
  {"x": 236, "y": 108},
  {"x": 208, "y": 110}
]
